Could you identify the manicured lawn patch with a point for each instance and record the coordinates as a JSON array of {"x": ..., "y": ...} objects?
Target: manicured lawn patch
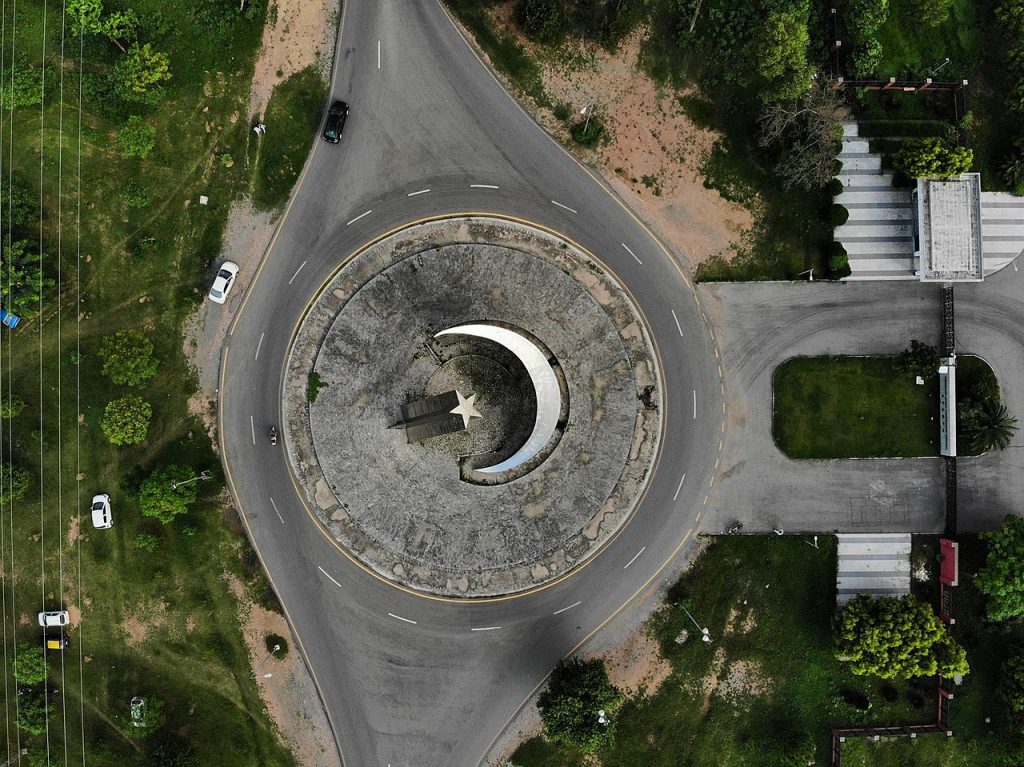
[
  {"x": 293, "y": 116},
  {"x": 853, "y": 407},
  {"x": 768, "y": 690}
]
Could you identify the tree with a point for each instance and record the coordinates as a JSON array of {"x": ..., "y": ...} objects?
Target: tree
[
  {"x": 137, "y": 76},
  {"x": 577, "y": 690},
  {"x": 120, "y": 25},
  {"x": 919, "y": 359},
  {"x": 896, "y": 638},
  {"x": 928, "y": 12},
  {"x": 136, "y": 137},
  {"x": 84, "y": 15},
  {"x": 32, "y": 712},
  {"x": 128, "y": 358},
  {"x": 30, "y": 667},
  {"x": 19, "y": 205},
  {"x": 11, "y": 408},
  {"x": 126, "y": 420},
  {"x": 1011, "y": 685},
  {"x": 22, "y": 283},
  {"x": 933, "y": 158},
  {"x": 542, "y": 20},
  {"x": 780, "y": 56},
  {"x": 163, "y": 495},
  {"x": 14, "y": 482},
  {"x": 991, "y": 427},
  {"x": 26, "y": 87},
  {"x": 1002, "y": 577},
  {"x": 810, "y": 133}
]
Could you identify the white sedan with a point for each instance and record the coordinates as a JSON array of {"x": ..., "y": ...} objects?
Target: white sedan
[
  {"x": 101, "y": 516},
  {"x": 223, "y": 282},
  {"x": 54, "y": 618}
]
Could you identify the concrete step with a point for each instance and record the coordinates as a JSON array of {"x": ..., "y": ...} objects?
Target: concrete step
[
  {"x": 859, "y": 215},
  {"x": 879, "y": 276},
  {"x": 885, "y": 265},
  {"x": 879, "y": 249},
  {"x": 873, "y": 180},
  {"x": 859, "y": 229},
  {"x": 869, "y": 162},
  {"x": 849, "y": 129},
  {"x": 857, "y": 145},
  {"x": 888, "y": 196}
]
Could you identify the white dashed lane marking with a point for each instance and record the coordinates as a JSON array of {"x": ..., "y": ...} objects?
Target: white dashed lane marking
[
  {"x": 574, "y": 604},
  {"x": 296, "y": 273},
  {"x": 329, "y": 577},
  {"x": 400, "y": 618},
  {"x": 566, "y": 207},
  {"x": 632, "y": 254},
  {"x": 635, "y": 557},
  {"x": 361, "y": 215}
]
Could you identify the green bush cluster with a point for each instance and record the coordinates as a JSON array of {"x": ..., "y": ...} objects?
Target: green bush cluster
[
  {"x": 126, "y": 420},
  {"x": 577, "y": 690},
  {"x": 588, "y": 133},
  {"x": 838, "y": 215},
  {"x": 933, "y": 158},
  {"x": 136, "y": 137},
  {"x": 838, "y": 262},
  {"x": 861, "y": 20},
  {"x": 545, "y": 21},
  {"x": 165, "y": 494},
  {"x": 27, "y": 86}
]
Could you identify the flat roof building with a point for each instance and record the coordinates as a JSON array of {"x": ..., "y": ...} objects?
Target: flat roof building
[{"x": 947, "y": 231}]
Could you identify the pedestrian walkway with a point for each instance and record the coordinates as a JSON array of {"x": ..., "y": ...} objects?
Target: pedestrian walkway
[{"x": 876, "y": 564}]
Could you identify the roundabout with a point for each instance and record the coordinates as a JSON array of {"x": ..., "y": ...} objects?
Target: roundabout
[{"x": 487, "y": 407}]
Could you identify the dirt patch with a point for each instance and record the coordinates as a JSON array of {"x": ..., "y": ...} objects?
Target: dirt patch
[
  {"x": 289, "y": 694},
  {"x": 637, "y": 666},
  {"x": 138, "y": 625},
  {"x": 744, "y": 680},
  {"x": 298, "y": 33},
  {"x": 74, "y": 530},
  {"x": 711, "y": 680},
  {"x": 655, "y": 151}
]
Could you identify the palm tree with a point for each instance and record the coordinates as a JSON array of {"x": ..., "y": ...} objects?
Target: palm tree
[{"x": 995, "y": 427}]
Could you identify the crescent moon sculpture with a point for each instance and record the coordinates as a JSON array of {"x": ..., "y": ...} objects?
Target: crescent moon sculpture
[{"x": 545, "y": 385}]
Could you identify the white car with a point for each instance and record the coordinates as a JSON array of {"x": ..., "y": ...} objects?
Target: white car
[
  {"x": 101, "y": 517},
  {"x": 223, "y": 282},
  {"x": 55, "y": 618}
]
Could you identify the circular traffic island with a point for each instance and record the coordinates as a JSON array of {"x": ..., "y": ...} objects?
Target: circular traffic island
[{"x": 472, "y": 407}]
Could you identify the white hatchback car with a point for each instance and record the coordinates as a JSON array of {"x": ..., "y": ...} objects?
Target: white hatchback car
[
  {"x": 223, "y": 282},
  {"x": 55, "y": 618},
  {"x": 101, "y": 516}
]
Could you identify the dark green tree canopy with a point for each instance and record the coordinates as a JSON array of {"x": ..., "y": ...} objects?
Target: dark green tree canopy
[
  {"x": 1011, "y": 685},
  {"x": 920, "y": 359},
  {"x": 139, "y": 73},
  {"x": 136, "y": 137},
  {"x": 128, "y": 358},
  {"x": 933, "y": 158},
  {"x": 1002, "y": 577},
  {"x": 160, "y": 499},
  {"x": 24, "y": 283},
  {"x": 543, "y": 20},
  {"x": 577, "y": 690},
  {"x": 14, "y": 482},
  {"x": 896, "y": 638},
  {"x": 32, "y": 713}
]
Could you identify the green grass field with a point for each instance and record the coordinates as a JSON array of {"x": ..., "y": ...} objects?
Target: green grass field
[
  {"x": 768, "y": 690},
  {"x": 852, "y": 407},
  {"x": 161, "y": 624}
]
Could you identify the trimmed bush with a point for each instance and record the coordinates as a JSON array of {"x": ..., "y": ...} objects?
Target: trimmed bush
[
  {"x": 837, "y": 216},
  {"x": 835, "y": 187},
  {"x": 588, "y": 133},
  {"x": 838, "y": 261}
]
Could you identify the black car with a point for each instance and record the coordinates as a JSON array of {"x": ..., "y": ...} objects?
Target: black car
[{"x": 335, "y": 124}]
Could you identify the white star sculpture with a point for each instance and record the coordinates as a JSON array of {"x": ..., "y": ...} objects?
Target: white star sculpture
[{"x": 467, "y": 408}]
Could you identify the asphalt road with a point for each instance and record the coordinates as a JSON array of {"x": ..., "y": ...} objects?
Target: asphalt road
[{"x": 408, "y": 680}]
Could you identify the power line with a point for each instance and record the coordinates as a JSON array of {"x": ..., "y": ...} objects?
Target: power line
[
  {"x": 78, "y": 383},
  {"x": 3, "y": 568}
]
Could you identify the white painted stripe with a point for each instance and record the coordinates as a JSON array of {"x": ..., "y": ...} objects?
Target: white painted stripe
[
  {"x": 482, "y": 186},
  {"x": 574, "y": 604},
  {"x": 421, "y": 191},
  {"x": 632, "y": 254},
  {"x": 560, "y": 205},
  {"x": 695, "y": 404},
  {"x": 635, "y": 556},
  {"x": 680, "y": 487},
  {"x": 252, "y": 428},
  {"x": 678, "y": 326},
  {"x": 361, "y": 215},
  {"x": 296, "y": 273},
  {"x": 276, "y": 510},
  {"x": 258, "y": 345},
  {"x": 378, "y": 54},
  {"x": 329, "y": 576},
  {"x": 400, "y": 618},
  {"x": 487, "y": 628}
]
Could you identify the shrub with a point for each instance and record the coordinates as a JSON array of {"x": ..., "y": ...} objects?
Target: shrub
[
  {"x": 138, "y": 74},
  {"x": 1002, "y": 577},
  {"x": 838, "y": 262},
  {"x": 928, "y": 12},
  {"x": 562, "y": 112},
  {"x": 313, "y": 386},
  {"x": 588, "y": 133},
  {"x": 838, "y": 215},
  {"x": 128, "y": 358},
  {"x": 542, "y": 20},
  {"x": 933, "y": 158},
  {"x": 576, "y": 691},
  {"x": 30, "y": 667},
  {"x": 1011, "y": 685},
  {"x": 32, "y": 713},
  {"x": 919, "y": 359},
  {"x": 24, "y": 283},
  {"x": 835, "y": 187},
  {"x": 27, "y": 87},
  {"x": 136, "y": 137},
  {"x": 145, "y": 541},
  {"x": 15, "y": 481},
  {"x": 134, "y": 195},
  {"x": 277, "y": 640},
  {"x": 10, "y": 408},
  {"x": 126, "y": 420}
]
